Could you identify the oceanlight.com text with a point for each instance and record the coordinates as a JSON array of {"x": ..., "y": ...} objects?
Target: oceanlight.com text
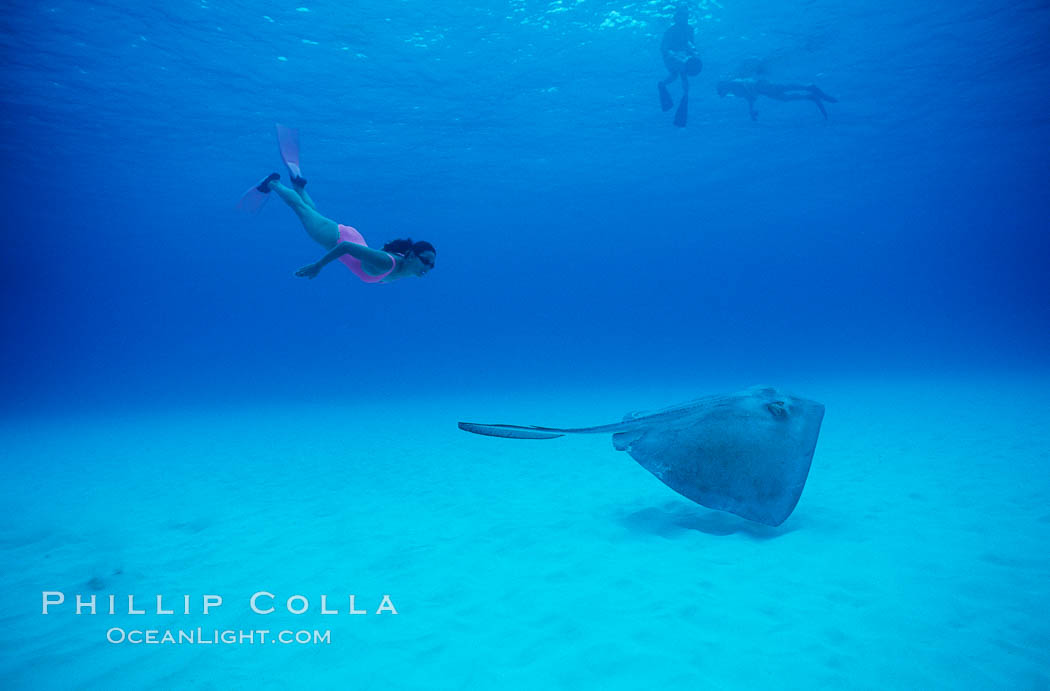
[{"x": 200, "y": 636}]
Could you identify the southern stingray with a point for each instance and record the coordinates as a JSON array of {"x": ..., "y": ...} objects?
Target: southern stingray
[{"x": 747, "y": 453}]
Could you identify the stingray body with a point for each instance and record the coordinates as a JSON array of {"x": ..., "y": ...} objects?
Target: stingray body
[{"x": 747, "y": 453}]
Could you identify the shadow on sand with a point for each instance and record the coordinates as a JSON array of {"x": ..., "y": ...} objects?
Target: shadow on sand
[{"x": 675, "y": 519}]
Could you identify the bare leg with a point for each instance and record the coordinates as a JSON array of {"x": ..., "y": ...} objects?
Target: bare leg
[
  {"x": 777, "y": 92},
  {"x": 301, "y": 190},
  {"x": 794, "y": 97},
  {"x": 324, "y": 231},
  {"x": 681, "y": 116},
  {"x": 666, "y": 102},
  {"x": 784, "y": 96},
  {"x": 816, "y": 91},
  {"x": 807, "y": 91}
]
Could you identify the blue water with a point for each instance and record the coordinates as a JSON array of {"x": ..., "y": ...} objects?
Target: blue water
[{"x": 591, "y": 258}]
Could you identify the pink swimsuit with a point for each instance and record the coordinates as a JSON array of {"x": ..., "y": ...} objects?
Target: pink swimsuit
[{"x": 348, "y": 234}]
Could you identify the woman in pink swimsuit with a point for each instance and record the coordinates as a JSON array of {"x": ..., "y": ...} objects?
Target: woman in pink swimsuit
[{"x": 398, "y": 259}]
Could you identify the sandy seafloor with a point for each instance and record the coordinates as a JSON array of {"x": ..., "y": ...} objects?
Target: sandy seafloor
[{"x": 917, "y": 558}]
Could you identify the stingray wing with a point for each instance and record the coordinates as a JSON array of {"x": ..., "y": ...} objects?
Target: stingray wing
[{"x": 747, "y": 453}]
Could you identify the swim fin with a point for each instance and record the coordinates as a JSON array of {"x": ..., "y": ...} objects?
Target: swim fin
[
  {"x": 665, "y": 97},
  {"x": 288, "y": 143},
  {"x": 255, "y": 197},
  {"x": 681, "y": 116}
]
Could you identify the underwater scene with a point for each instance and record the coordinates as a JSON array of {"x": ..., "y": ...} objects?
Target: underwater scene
[{"x": 560, "y": 344}]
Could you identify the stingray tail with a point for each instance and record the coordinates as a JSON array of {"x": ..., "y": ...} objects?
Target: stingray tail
[
  {"x": 533, "y": 432},
  {"x": 511, "y": 431}
]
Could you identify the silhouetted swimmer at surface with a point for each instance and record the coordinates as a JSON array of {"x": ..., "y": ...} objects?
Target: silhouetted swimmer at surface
[
  {"x": 751, "y": 89},
  {"x": 679, "y": 54},
  {"x": 398, "y": 259}
]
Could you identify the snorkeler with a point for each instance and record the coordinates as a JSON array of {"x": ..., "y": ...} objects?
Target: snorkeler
[
  {"x": 680, "y": 57},
  {"x": 751, "y": 89},
  {"x": 398, "y": 259}
]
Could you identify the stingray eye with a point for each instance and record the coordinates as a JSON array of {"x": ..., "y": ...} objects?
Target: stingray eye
[{"x": 776, "y": 409}]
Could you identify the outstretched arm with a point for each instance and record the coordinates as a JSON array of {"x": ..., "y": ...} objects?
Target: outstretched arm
[{"x": 372, "y": 261}]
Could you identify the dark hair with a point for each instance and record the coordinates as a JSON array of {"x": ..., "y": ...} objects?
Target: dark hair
[{"x": 403, "y": 246}]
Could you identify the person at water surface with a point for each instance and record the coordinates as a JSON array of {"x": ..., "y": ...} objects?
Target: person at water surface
[
  {"x": 750, "y": 89},
  {"x": 679, "y": 55}
]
